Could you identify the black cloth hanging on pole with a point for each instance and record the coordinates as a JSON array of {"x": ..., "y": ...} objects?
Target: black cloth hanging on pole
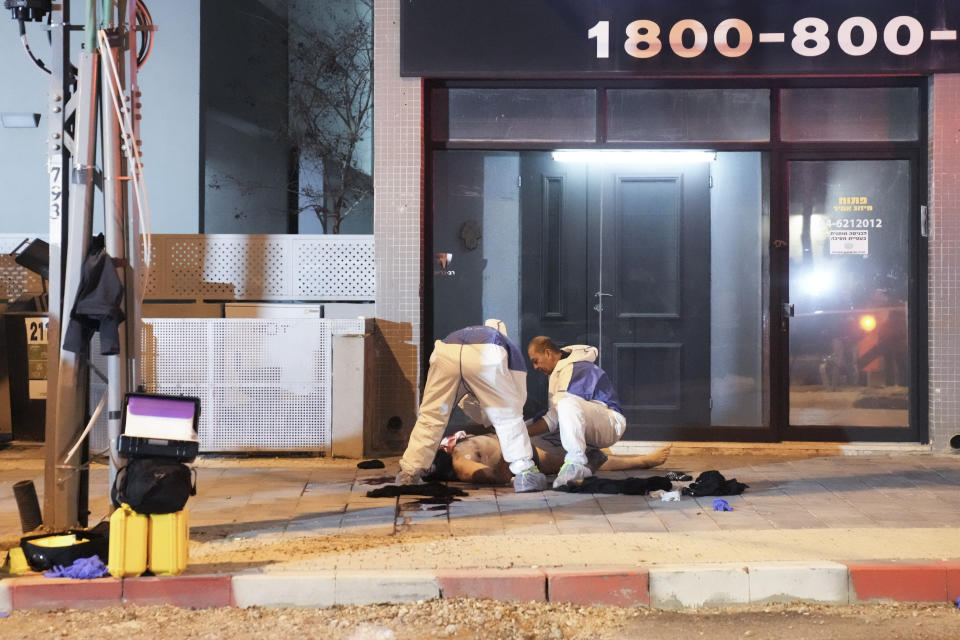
[{"x": 98, "y": 306}]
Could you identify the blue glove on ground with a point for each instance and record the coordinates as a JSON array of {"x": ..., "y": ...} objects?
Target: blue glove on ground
[
  {"x": 721, "y": 505},
  {"x": 81, "y": 569}
]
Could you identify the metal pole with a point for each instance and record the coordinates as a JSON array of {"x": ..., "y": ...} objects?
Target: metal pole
[
  {"x": 135, "y": 286},
  {"x": 58, "y": 163},
  {"x": 72, "y": 374},
  {"x": 115, "y": 237}
]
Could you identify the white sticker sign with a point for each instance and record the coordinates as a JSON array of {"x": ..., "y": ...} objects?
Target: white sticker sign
[
  {"x": 36, "y": 330},
  {"x": 38, "y": 389},
  {"x": 850, "y": 243}
]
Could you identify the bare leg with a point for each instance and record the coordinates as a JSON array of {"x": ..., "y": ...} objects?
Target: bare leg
[
  {"x": 646, "y": 461},
  {"x": 478, "y": 459}
]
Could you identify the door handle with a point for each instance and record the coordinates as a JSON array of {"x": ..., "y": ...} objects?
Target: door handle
[
  {"x": 599, "y": 295},
  {"x": 786, "y": 312}
]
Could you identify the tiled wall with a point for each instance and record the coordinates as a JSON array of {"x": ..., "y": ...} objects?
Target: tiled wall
[
  {"x": 398, "y": 185},
  {"x": 944, "y": 246}
]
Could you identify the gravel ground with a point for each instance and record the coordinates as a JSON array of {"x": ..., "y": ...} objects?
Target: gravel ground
[{"x": 461, "y": 619}]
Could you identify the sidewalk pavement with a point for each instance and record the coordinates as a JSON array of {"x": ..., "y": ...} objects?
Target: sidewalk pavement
[{"x": 302, "y": 532}]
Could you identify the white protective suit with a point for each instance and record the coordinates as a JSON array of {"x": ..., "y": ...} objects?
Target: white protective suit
[
  {"x": 583, "y": 404},
  {"x": 488, "y": 370}
]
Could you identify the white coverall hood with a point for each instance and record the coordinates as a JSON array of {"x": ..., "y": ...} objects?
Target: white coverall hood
[
  {"x": 499, "y": 325},
  {"x": 578, "y": 353}
]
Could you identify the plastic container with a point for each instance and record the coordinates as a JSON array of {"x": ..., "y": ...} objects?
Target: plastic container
[
  {"x": 169, "y": 543},
  {"x": 128, "y": 542}
]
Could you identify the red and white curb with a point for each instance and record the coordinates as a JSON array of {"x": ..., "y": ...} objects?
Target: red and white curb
[{"x": 661, "y": 586}]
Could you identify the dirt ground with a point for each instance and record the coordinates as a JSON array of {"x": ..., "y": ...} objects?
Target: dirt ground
[{"x": 464, "y": 619}]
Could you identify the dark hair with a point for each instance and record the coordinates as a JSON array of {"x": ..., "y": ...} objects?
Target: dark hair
[
  {"x": 543, "y": 343},
  {"x": 442, "y": 468}
]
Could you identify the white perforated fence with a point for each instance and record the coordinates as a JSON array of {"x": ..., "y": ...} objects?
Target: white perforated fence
[
  {"x": 237, "y": 267},
  {"x": 262, "y": 267},
  {"x": 263, "y": 384}
]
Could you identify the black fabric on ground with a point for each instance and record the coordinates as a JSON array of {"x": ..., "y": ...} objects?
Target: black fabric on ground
[
  {"x": 629, "y": 486},
  {"x": 442, "y": 468},
  {"x": 370, "y": 464},
  {"x": 433, "y": 489},
  {"x": 712, "y": 483}
]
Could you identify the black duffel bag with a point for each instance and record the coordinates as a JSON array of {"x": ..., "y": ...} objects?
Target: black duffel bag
[
  {"x": 45, "y": 551},
  {"x": 154, "y": 485}
]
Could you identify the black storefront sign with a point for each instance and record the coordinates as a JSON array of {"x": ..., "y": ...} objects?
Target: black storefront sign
[{"x": 679, "y": 38}]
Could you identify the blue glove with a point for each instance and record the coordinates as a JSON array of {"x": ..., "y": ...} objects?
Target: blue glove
[
  {"x": 81, "y": 569},
  {"x": 721, "y": 505}
]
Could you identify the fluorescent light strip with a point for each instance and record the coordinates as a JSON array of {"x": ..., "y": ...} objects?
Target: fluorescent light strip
[{"x": 645, "y": 155}]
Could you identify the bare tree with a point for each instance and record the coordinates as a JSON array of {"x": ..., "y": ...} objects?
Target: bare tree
[{"x": 331, "y": 104}]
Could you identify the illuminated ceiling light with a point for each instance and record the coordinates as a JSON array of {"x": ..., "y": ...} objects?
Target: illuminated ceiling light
[
  {"x": 630, "y": 156},
  {"x": 868, "y": 323}
]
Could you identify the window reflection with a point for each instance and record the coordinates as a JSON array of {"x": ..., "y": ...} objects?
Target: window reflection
[{"x": 848, "y": 284}]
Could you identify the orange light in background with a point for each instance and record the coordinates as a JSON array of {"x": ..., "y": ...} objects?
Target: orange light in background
[{"x": 868, "y": 323}]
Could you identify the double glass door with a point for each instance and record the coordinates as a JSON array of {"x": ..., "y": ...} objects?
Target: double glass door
[{"x": 658, "y": 259}]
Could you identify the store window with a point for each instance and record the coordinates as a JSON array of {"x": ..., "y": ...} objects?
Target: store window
[
  {"x": 688, "y": 115},
  {"x": 850, "y": 115},
  {"x": 517, "y": 115}
]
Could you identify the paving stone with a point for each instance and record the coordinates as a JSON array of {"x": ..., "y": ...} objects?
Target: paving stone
[
  {"x": 621, "y": 587},
  {"x": 316, "y": 589},
  {"x": 517, "y": 585},
  {"x": 799, "y": 581},
  {"x": 695, "y": 586},
  {"x": 192, "y": 592},
  {"x": 898, "y": 582},
  {"x": 369, "y": 587},
  {"x": 47, "y": 594}
]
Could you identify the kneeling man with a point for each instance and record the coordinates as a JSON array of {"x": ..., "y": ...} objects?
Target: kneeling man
[{"x": 582, "y": 405}]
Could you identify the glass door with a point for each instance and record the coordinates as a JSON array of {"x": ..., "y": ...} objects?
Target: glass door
[
  {"x": 659, "y": 259},
  {"x": 848, "y": 312}
]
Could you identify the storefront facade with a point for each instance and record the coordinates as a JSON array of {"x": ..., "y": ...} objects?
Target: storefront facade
[{"x": 746, "y": 208}]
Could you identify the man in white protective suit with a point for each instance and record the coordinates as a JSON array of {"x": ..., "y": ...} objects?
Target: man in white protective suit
[
  {"x": 582, "y": 405},
  {"x": 483, "y": 368}
]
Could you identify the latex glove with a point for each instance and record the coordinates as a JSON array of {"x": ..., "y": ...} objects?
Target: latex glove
[
  {"x": 721, "y": 505},
  {"x": 670, "y": 496}
]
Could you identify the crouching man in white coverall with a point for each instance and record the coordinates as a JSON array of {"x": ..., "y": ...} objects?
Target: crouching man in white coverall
[
  {"x": 486, "y": 370},
  {"x": 582, "y": 405}
]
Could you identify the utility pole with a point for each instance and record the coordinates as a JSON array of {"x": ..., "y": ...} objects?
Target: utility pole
[
  {"x": 61, "y": 483},
  {"x": 101, "y": 71}
]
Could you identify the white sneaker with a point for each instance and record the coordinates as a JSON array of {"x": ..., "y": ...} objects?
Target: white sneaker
[
  {"x": 571, "y": 473},
  {"x": 404, "y": 478}
]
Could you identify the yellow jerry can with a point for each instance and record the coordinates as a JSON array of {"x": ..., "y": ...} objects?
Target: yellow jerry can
[
  {"x": 169, "y": 543},
  {"x": 128, "y": 542}
]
